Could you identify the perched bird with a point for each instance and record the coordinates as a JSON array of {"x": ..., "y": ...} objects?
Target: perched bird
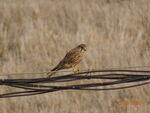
[{"x": 71, "y": 59}]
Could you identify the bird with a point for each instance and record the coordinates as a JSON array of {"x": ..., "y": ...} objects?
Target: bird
[{"x": 71, "y": 59}]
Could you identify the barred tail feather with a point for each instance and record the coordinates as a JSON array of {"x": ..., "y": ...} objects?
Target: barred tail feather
[{"x": 52, "y": 73}]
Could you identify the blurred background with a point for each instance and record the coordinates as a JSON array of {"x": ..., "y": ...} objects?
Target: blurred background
[{"x": 36, "y": 34}]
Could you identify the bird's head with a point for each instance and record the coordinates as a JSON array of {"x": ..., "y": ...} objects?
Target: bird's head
[{"x": 82, "y": 47}]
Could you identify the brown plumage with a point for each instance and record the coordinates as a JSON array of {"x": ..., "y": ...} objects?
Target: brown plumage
[{"x": 71, "y": 59}]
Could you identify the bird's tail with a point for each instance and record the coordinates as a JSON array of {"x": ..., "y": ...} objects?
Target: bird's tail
[{"x": 52, "y": 73}]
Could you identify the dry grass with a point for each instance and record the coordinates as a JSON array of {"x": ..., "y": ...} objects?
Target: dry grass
[{"x": 35, "y": 34}]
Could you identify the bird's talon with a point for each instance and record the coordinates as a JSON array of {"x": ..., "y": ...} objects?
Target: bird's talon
[{"x": 76, "y": 70}]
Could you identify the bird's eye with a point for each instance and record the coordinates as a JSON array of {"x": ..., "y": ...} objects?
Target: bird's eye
[{"x": 82, "y": 47}]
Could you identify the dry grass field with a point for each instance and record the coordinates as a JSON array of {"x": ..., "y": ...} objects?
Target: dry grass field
[{"x": 36, "y": 34}]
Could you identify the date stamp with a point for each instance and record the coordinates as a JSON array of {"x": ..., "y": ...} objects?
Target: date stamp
[{"x": 135, "y": 102}]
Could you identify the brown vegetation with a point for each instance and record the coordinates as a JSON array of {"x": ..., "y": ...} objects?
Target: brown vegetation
[{"x": 36, "y": 34}]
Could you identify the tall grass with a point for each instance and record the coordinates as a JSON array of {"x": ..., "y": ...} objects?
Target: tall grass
[{"x": 36, "y": 34}]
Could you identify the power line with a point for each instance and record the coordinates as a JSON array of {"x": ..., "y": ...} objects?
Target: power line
[{"x": 121, "y": 79}]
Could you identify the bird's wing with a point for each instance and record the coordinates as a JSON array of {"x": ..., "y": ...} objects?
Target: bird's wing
[
  {"x": 72, "y": 57},
  {"x": 58, "y": 67}
]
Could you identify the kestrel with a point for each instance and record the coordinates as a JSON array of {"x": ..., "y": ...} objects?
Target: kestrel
[{"x": 71, "y": 59}]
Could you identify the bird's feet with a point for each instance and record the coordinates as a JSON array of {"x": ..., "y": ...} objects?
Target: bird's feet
[{"x": 75, "y": 70}]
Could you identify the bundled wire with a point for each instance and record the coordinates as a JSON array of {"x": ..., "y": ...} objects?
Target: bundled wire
[{"x": 94, "y": 80}]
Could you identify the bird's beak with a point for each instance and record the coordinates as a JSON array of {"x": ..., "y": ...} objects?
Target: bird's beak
[{"x": 84, "y": 49}]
